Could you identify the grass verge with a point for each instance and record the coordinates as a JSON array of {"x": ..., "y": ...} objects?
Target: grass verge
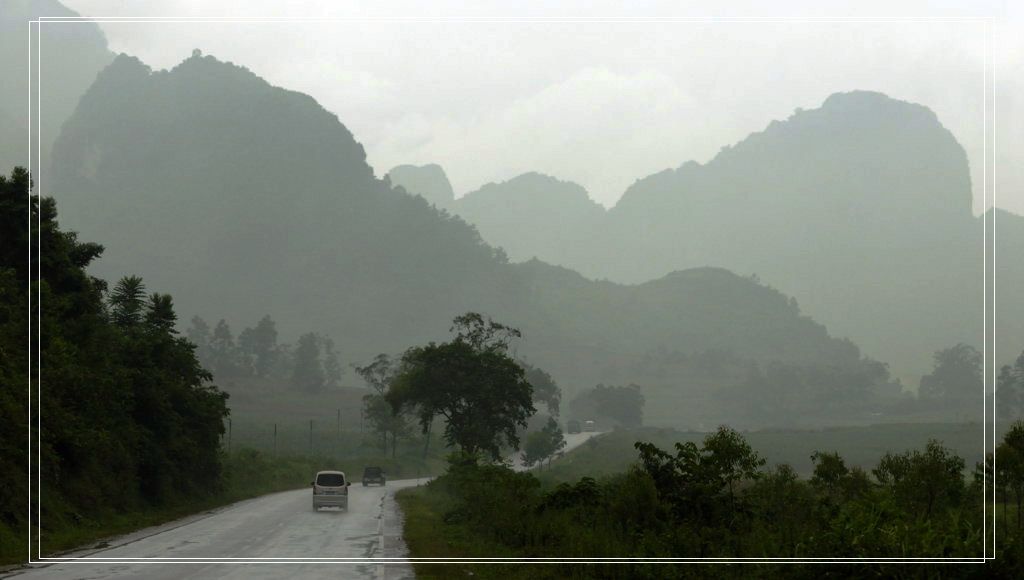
[{"x": 427, "y": 535}]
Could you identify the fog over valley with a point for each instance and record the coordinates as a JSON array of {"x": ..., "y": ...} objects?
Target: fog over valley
[{"x": 519, "y": 283}]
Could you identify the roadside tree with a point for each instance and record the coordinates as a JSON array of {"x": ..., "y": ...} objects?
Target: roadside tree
[{"x": 472, "y": 382}]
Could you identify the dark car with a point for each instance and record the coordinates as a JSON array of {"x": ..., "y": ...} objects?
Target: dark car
[
  {"x": 373, "y": 475},
  {"x": 573, "y": 427}
]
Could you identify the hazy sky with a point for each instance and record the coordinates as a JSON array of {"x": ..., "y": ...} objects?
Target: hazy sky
[{"x": 599, "y": 103}]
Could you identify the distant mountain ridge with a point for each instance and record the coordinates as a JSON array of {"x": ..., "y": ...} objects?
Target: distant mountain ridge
[
  {"x": 241, "y": 199},
  {"x": 861, "y": 209},
  {"x": 428, "y": 180},
  {"x": 559, "y": 213}
]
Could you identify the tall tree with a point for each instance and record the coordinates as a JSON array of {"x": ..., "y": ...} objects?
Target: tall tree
[
  {"x": 545, "y": 389},
  {"x": 385, "y": 419},
  {"x": 332, "y": 366},
  {"x": 308, "y": 374},
  {"x": 160, "y": 314},
  {"x": 199, "y": 335},
  {"x": 543, "y": 444},
  {"x": 1010, "y": 390},
  {"x": 260, "y": 345},
  {"x": 923, "y": 480},
  {"x": 472, "y": 382},
  {"x": 224, "y": 353},
  {"x": 955, "y": 382},
  {"x": 701, "y": 483},
  {"x": 127, "y": 301},
  {"x": 1010, "y": 462},
  {"x": 378, "y": 373}
]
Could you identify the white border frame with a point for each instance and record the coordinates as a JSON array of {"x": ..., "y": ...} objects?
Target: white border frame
[{"x": 35, "y": 131}]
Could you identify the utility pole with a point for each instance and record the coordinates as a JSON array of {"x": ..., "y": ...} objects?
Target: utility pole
[
  {"x": 275, "y": 439},
  {"x": 229, "y": 434},
  {"x": 311, "y": 437},
  {"x": 337, "y": 447}
]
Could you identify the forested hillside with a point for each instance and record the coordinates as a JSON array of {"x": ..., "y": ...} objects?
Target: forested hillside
[
  {"x": 128, "y": 417},
  {"x": 242, "y": 198}
]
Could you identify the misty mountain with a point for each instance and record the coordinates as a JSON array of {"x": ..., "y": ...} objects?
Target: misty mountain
[
  {"x": 1005, "y": 275},
  {"x": 73, "y": 53},
  {"x": 861, "y": 209},
  {"x": 240, "y": 199},
  {"x": 429, "y": 181},
  {"x": 533, "y": 215}
]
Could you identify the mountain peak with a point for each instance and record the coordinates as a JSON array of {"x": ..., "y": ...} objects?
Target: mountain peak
[
  {"x": 208, "y": 107},
  {"x": 429, "y": 181},
  {"x": 533, "y": 188},
  {"x": 860, "y": 99}
]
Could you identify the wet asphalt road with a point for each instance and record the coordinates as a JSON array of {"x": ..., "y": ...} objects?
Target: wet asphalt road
[
  {"x": 234, "y": 541},
  {"x": 229, "y": 542}
]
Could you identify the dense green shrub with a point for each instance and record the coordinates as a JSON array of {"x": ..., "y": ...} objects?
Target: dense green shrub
[{"x": 716, "y": 500}]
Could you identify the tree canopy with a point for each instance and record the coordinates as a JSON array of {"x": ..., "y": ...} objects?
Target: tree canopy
[
  {"x": 129, "y": 416},
  {"x": 955, "y": 381},
  {"x": 472, "y": 382}
]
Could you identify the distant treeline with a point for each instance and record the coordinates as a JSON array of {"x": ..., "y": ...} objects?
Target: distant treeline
[
  {"x": 769, "y": 394},
  {"x": 311, "y": 364},
  {"x": 128, "y": 417}
]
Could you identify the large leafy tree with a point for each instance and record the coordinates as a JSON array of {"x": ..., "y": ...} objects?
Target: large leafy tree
[
  {"x": 384, "y": 419},
  {"x": 332, "y": 364},
  {"x": 545, "y": 389},
  {"x": 472, "y": 382},
  {"x": 955, "y": 382},
  {"x": 543, "y": 444},
  {"x": 925, "y": 480},
  {"x": 308, "y": 373},
  {"x": 259, "y": 344},
  {"x": 1010, "y": 462},
  {"x": 199, "y": 334},
  {"x": 701, "y": 482},
  {"x": 225, "y": 357},
  {"x": 1010, "y": 390},
  {"x": 834, "y": 480}
]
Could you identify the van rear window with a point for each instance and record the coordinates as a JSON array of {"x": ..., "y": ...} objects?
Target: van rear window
[{"x": 330, "y": 480}]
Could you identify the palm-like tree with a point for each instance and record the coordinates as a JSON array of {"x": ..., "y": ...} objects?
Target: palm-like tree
[{"x": 126, "y": 301}]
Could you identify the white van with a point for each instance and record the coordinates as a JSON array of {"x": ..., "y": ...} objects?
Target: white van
[{"x": 330, "y": 489}]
